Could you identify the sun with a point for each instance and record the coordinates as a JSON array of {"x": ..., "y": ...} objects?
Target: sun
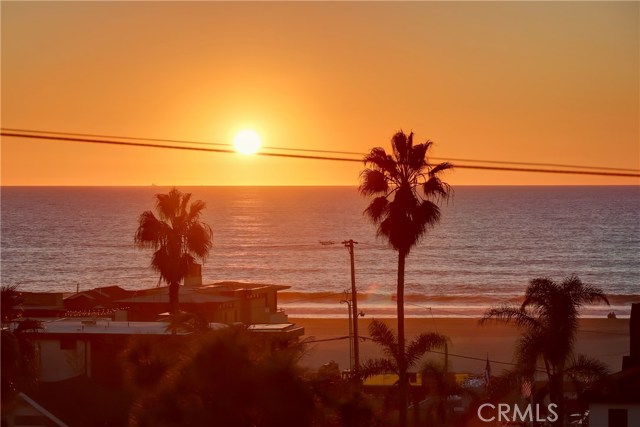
[{"x": 247, "y": 142}]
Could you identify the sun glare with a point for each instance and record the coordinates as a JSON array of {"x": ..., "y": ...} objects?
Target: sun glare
[{"x": 247, "y": 142}]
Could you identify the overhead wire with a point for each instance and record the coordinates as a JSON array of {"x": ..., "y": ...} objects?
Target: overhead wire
[
  {"x": 111, "y": 140},
  {"x": 104, "y": 139},
  {"x": 461, "y": 356}
]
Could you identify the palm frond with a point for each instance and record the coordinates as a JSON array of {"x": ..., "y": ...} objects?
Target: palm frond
[
  {"x": 377, "y": 209},
  {"x": 399, "y": 144},
  {"x": 373, "y": 367},
  {"x": 184, "y": 204},
  {"x": 439, "y": 168},
  {"x": 435, "y": 188},
  {"x": 586, "y": 369},
  {"x": 507, "y": 313},
  {"x": 151, "y": 232},
  {"x": 199, "y": 240},
  {"x": 384, "y": 337},
  {"x": 529, "y": 348},
  {"x": 378, "y": 158},
  {"x": 168, "y": 205},
  {"x": 167, "y": 265},
  {"x": 417, "y": 157},
  {"x": 426, "y": 215},
  {"x": 540, "y": 293},
  {"x": 194, "y": 211},
  {"x": 421, "y": 344},
  {"x": 582, "y": 293},
  {"x": 373, "y": 181}
]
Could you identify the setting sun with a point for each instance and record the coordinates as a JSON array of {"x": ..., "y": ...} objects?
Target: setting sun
[{"x": 246, "y": 142}]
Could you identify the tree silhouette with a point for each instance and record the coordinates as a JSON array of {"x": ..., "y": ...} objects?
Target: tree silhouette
[
  {"x": 549, "y": 319},
  {"x": 11, "y": 303},
  {"x": 440, "y": 386},
  {"x": 225, "y": 378},
  {"x": 382, "y": 335},
  {"x": 178, "y": 237},
  {"x": 19, "y": 358},
  {"x": 406, "y": 189}
]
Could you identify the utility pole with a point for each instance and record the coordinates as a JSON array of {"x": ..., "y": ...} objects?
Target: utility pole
[
  {"x": 347, "y": 300},
  {"x": 354, "y": 306}
]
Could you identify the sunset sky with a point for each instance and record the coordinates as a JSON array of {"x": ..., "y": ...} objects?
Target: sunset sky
[{"x": 532, "y": 82}]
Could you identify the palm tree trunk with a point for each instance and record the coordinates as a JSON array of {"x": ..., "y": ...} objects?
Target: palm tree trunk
[
  {"x": 556, "y": 395},
  {"x": 402, "y": 363},
  {"x": 174, "y": 295}
]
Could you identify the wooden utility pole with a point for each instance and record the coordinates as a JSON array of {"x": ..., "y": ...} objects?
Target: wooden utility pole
[{"x": 354, "y": 306}]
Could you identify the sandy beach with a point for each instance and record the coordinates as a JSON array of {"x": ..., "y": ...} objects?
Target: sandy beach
[{"x": 603, "y": 339}]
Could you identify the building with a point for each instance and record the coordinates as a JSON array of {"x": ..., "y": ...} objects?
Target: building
[
  {"x": 42, "y": 304},
  {"x": 69, "y": 348},
  {"x": 222, "y": 302},
  {"x": 96, "y": 299},
  {"x": 615, "y": 401}
]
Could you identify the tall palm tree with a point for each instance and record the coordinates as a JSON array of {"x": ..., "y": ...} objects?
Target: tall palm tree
[
  {"x": 406, "y": 190},
  {"x": 396, "y": 356},
  {"x": 549, "y": 316},
  {"x": 178, "y": 237}
]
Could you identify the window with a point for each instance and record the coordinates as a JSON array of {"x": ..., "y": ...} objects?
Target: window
[{"x": 618, "y": 418}]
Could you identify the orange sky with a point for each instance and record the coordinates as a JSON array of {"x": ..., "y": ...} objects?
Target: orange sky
[{"x": 535, "y": 82}]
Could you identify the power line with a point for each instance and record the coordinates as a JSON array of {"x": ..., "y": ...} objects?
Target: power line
[
  {"x": 301, "y": 156},
  {"x": 307, "y": 150},
  {"x": 461, "y": 356},
  {"x": 91, "y": 135}
]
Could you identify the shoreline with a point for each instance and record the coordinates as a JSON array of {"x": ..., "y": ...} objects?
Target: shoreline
[{"x": 604, "y": 339}]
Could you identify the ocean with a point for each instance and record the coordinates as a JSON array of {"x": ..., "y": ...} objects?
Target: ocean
[{"x": 490, "y": 242}]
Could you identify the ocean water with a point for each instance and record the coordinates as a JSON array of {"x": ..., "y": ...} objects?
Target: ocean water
[{"x": 490, "y": 243}]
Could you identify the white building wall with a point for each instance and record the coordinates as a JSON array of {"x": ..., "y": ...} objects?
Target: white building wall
[{"x": 57, "y": 364}]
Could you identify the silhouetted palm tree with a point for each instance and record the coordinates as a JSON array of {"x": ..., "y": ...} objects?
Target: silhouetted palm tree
[
  {"x": 178, "y": 237},
  {"x": 406, "y": 190},
  {"x": 382, "y": 335},
  {"x": 440, "y": 386},
  {"x": 549, "y": 316},
  {"x": 188, "y": 322}
]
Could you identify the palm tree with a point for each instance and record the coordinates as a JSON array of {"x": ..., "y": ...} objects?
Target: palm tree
[
  {"x": 440, "y": 386},
  {"x": 406, "y": 189},
  {"x": 397, "y": 356},
  {"x": 549, "y": 316},
  {"x": 178, "y": 237}
]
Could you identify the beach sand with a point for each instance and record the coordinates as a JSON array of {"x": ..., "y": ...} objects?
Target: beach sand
[{"x": 604, "y": 339}]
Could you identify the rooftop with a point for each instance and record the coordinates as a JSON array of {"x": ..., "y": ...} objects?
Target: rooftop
[{"x": 104, "y": 327}]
